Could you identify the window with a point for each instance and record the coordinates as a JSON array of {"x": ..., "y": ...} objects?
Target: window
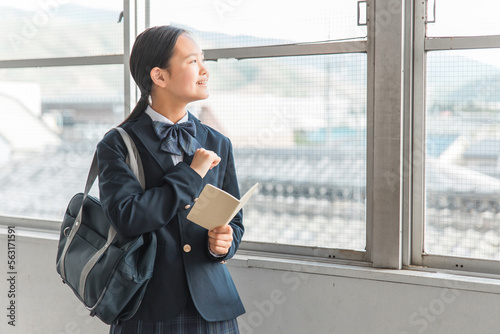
[
  {"x": 457, "y": 211},
  {"x": 297, "y": 123},
  {"x": 462, "y": 18},
  {"x": 61, "y": 89},
  {"x": 46, "y": 29},
  {"x": 225, "y": 24},
  {"x": 52, "y": 119},
  {"x": 369, "y": 144},
  {"x": 463, "y": 154},
  {"x": 298, "y": 126},
  {"x": 297, "y": 119}
]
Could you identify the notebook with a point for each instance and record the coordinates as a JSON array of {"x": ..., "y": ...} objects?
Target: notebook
[{"x": 215, "y": 207}]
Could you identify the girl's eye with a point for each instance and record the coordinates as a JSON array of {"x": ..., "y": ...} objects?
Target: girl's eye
[{"x": 194, "y": 61}]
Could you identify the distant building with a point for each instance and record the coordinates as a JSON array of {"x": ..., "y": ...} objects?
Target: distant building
[
  {"x": 21, "y": 125},
  {"x": 484, "y": 155}
]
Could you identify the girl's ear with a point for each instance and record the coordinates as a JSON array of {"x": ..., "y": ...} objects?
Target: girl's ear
[{"x": 158, "y": 76}]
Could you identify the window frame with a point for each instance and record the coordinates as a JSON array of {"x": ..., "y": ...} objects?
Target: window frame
[
  {"x": 396, "y": 55},
  {"x": 134, "y": 22},
  {"x": 130, "y": 29},
  {"x": 422, "y": 45},
  {"x": 295, "y": 50}
]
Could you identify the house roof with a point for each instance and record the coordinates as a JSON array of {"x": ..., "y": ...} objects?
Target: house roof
[{"x": 484, "y": 149}]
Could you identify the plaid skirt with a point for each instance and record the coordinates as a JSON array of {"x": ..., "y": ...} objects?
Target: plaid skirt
[{"x": 189, "y": 321}]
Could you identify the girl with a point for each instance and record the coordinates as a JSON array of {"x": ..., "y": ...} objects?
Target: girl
[{"x": 191, "y": 290}]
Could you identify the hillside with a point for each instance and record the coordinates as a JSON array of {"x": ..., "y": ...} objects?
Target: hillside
[{"x": 80, "y": 31}]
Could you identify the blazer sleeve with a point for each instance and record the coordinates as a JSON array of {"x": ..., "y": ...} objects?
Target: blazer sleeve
[
  {"x": 230, "y": 185},
  {"x": 132, "y": 211}
]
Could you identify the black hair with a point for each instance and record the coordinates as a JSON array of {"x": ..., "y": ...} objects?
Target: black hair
[{"x": 154, "y": 47}]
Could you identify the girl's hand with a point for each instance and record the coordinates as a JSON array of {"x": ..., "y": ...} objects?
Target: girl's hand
[
  {"x": 204, "y": 160},
  {"x": 220, "y": 239}
]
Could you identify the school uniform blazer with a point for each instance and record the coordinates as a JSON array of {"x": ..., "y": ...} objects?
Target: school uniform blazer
[{"x": 184, "y": 266}]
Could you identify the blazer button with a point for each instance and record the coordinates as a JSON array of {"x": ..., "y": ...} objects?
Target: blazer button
[
  {"x": 187, "y": 248},
  {"x": 187, "y": 206}
]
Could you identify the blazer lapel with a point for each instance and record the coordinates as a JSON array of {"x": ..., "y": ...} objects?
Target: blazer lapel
[{"x": 143, "y": 129}]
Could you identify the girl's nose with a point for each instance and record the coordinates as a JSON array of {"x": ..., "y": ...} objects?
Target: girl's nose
[{"x": 203, "y": 68}]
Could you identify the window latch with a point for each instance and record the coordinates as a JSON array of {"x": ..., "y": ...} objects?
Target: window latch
[
  {"x": 430, "y": 11},
  {"x": 362, "y": 13}
]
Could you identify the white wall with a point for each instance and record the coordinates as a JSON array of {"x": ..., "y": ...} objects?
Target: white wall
[
  {"x": 281, "y": 296},
  {"x": 44, "y": 305},
  {"x": 280, "y": 301}
]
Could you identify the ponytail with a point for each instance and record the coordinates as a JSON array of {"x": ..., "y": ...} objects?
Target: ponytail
[{"x": 139, "y": 108}]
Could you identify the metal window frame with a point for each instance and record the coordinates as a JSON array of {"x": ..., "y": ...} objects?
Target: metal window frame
[
  {"x": 403, "y": 247},
  {"x": 418, "y": 139},
  {"x": 386, "y": 67},
  {"x": 132, "y": 26},
  {"x": 130, "y": 9},
  {"x": 388, "y": 231},
  {"x": 461, "y": 43},
  {"x": 387, "y": 22},
  {"x": 407, "y": 195},
  {"x": 295, "y": 50},
  {"x": 287, "y": 50},
  {"x": 422, "y": 45},
  {"x": 66, "y": 61}
]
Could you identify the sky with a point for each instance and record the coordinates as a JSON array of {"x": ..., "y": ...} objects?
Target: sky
[
  {"x": 279, "y": 18},
  {"x": 324, "y": 19},
  {"x": 318, "y": 20},
  {"x": 37, "y": 4},
  {"x": 468, "y": 18}
]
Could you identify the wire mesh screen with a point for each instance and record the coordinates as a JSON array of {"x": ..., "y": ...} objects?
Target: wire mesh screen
[
  {"x": 463, "y": 154},
  {"x": 64, "y": 112},
  {"x": 45, "y": 29},
  {"x": 237, "y": 23},
  {"x": 298, "y": 126},
  {"x": 462, "y": 18}
]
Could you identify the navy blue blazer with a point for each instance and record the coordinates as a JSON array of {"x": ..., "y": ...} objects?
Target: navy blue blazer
[{"x": 184, "y": 266}]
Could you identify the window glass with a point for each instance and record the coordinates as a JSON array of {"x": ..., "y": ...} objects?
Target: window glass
[
  {"x": 230, "y": 23},
  {"x": 462, "y": 170},
  {"x": 52, "y": 29},
  {"x": 51, "y": 120},
  {"x": 463, "y": 18},
  {"x": 298, "y": 127}
]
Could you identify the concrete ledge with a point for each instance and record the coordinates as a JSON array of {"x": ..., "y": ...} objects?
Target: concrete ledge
[{"x": 415, "y": 275}]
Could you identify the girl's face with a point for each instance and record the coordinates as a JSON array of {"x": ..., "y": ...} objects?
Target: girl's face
[{"x": 187, "y": 75}]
